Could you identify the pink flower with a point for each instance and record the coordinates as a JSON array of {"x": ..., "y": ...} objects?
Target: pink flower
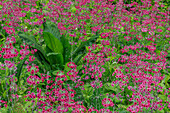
[
  {"x": 72, "y": 35},
  {"x": 71, "y": 65},
  {"x": 106, "y": 102},
  {"x": 127, "y": 38},
  {"x": 159, "y": 30},
  {"x": 32, "y": 72},
  {"x": 151, "y": 48},
  {"x": 48, "y": 81},
  {"x": 5, "y": 105},
  {"x": 144, "y": 29},
  {"x": 168, "y": 28},
  {"x": 90, "y": 110},
  {"x": 33, "y": 10},
  {"x": 104, "y": 35}
]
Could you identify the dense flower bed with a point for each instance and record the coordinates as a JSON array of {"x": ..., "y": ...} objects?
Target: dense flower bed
[{"x": 83, "y": 56}]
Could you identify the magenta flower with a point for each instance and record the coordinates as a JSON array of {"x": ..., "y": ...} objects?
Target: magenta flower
[
  {"x": 151, "y": 48},
  {"x": 71, "y": 65},
  {"x": 106, "y": 102},
  {"x": 159, "y": 30},
  {"x": 144, "y": 29},
  {"x": 104, "y": 35},
  {"x": 168, "y": 28}
]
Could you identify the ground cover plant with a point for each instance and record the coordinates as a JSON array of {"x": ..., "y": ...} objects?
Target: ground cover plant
[{"x": 84, "y": 56}]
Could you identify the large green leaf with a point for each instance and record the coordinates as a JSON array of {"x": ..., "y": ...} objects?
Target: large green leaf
[
  {"x": 67, "y": 49},
  {"x": 43, "y": 59},
  {"x": 31, "y": 39},
  {"x": 19, "y": 69},
  {"x": 55, "y": 58},
  {"x": 52, "y": 28},
  {"x": 53, "y": 43}
]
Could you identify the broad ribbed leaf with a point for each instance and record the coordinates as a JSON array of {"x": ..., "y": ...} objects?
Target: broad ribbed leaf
[
  {"x": 55, "y": 58},
  {"x": 19, "y": 69},
  {"x": 67, "y": 49},
  {"x": 52, "y": 28},
  {"x": 44, "y": 60},
  {"x": 53, "y": 43}
]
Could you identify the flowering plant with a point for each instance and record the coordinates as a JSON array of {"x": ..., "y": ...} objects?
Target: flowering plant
[{"x": 84, "y": 56}]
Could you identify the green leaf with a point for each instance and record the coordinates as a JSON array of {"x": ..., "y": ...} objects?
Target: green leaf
[
  {"x": 50, "y": 54},
  {"x": 128, "y": 92},
  {"x": 56, "y": 58},
  {"x": 167, "y": 77},
  {"x": 43, "y": 59},
  {"x": 83, "y": 45},
  {"x": 67, "y": 49},
  {"x": 48, "y": 50},
  {"x": 53, "y": 43},
  {"x": 32, "y": 40},
  {"x": 19, "y": 69},
  {"x": 122, "y": 106},
  {"x": 79, "y": 67},
  {"x": 88, "y": 91},
  {"x": 55, "y": 72},
  {"x": 22, "y": 91},
  {"x": 162, "y": 111},
  {"x": 66, "y": 68},
  {"x": 108, "y": 86},
  {"x": 83, "y": 76},
  {"x": 2, "y": 36},
  {"x": 73, "y": 9},
  {"x": 52, "y": 28},
  {"x": 78, "y": 58},
  {"x": 4, "y": 110},
  {"x": 2, "y": 85},
  {"x": 163, "y": 97},
  {"x": 26, "y": 106},
  {"x": 5, "y": 94},
  {"x": 40, "y": 54}
]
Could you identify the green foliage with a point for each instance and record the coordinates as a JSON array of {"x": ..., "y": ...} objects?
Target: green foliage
[
  {"x": 52, "y": 28},
  {"x": 54, "y": 49},
  {"x": 109, "y": 87},
  {"x": 83, "y": 45},
  {"x": 18, "y": 108},
  {"x": 53, "y": 43},
  {"x": 55, "y": 52},
  {"x": 87, "y": 92},
  {"x": 40, "y": 54},
  {"x": 4, "y": 110},
  {"x": 19, "y": 70},
  {"x": 67, "y": 48}
]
